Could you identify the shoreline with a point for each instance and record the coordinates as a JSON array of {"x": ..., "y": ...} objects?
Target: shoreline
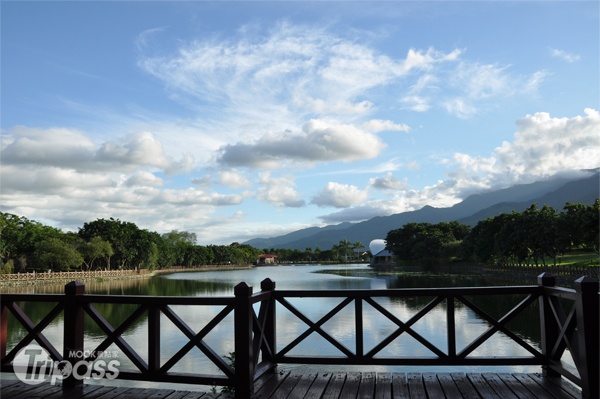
[{"x": 55, "y": 278}]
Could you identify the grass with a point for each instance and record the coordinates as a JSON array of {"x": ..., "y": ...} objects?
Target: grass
[{"x": 578, "y": 257}]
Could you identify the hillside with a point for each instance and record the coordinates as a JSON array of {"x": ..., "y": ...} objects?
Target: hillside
[{"x": 554, "y": 192}]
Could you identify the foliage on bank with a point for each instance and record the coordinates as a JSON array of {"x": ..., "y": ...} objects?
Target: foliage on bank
[
  {"x": 537, "y": 236},
  {"x": 27, "y": 245},
  {"x": 343, "y": 252}
]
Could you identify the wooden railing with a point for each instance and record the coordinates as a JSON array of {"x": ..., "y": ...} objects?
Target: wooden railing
[
  {"x": 559, "y": 270},
  {"x": 50, "y": 275},
  {"x": 256, "y": 335}
]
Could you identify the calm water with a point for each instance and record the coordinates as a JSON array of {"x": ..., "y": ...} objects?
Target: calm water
[{"x": 377, "y": 326}]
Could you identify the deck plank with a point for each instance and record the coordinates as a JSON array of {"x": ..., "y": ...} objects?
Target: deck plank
[
  {"x": 399, "y": 386},
  {"x": 334, "y": 388},
  {"x": 270, "y": 385},
  {"x": 515, "y": 385},
  {"x": 318, "y": 387},
  {"x": 498, "y": 386},
  {"x": 467, "y": 391},
  {"x": 302, "y": 387},
  {"x": 448, "y": 386},
  {"x": 383, "y": 386},
  {"x": 366, "y": 389},
  {"x": 286, "y": 387},
  {"x": 561, "y": 389},
  {"x": 533, "y": 387},
  {"x": 350, "y": 388},
  {"x": 76, "y": 392},
  {"x": 335, "y": 385},
  {"x": 416, "y": 388},
  {"x": 482, "y": 386},
  {"x": 433, "y": 386}
]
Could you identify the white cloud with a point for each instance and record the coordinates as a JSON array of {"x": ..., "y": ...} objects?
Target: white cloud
[
  {"x": 460, "y": 107},
  {"x": 47, "y": 147},
  {"x": 279, "y": 191},
  {"x": 380, "y": 125},
  {"x": 145, "y": 179},
  {"x": 319, "y": 141},
  {"x": 233, "y": 179},
  {"x": 543, "y": 146},
  {"x": 387, "y": 182},
  {"x": 465, "y": 88},
  {"x": 563, "y": 55},
  {"x": 416, "y": 103},
  {"x": 292, "y": 71},
  {"x": 340, "y": 195},
  {"x": 63, "y": 178},
  {"x": 67, "y": 148}
]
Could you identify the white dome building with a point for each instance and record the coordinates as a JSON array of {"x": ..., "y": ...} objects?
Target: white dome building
[{"x": 381, "y": 256}]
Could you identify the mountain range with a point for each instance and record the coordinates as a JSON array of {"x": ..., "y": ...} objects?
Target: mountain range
[{"x": 555, "y": 192}]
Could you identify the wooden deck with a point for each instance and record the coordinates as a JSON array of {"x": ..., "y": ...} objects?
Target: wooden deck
[{"x": 337, "y": 385}]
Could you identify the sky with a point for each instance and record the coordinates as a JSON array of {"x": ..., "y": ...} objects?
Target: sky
[{"x": 236, "y": 120}]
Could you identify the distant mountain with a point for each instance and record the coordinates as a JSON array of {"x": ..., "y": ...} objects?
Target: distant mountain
[
  {"x": 584, "y": 191},
  {"x": 281, "y": 241},
  {"x": 553, "y": 192}
]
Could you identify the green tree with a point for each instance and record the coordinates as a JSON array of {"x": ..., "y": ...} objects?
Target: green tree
[
  {"x": 174, "y": 247},
  {"x": 132, "y": 246},
  {"x": 19, "y": 238},
  {"x": 427, "y": 243},
  {"x": 94, "y": 249},
  {"x": 56, "y": 255}
]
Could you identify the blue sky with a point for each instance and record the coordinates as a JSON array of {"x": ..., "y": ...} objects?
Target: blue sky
[{"x": 236, "y": 120}]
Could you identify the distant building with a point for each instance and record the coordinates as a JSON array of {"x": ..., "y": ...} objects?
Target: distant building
[
  {"x": 381, "y": 256},
  {"x": 266, "y": 260}
]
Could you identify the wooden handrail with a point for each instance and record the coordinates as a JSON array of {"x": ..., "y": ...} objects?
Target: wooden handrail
[{"x": 255, "y": 332}]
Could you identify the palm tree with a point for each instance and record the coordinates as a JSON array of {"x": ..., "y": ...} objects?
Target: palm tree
[{"x": 355, "y": 246}]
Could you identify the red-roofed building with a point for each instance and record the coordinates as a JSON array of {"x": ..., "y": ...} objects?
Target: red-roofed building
[{"x": 266, "y": 260}]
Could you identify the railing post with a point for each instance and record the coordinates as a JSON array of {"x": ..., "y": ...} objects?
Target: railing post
[
  {"x": 73, "y": 331},
  {"x": 549, "y": 329},
  {"x": 587, "y": 310},
  {"x": 3, "y": 330},
  {"x": 153, "y": 338},
  {"x": 270, "y": 322},
  {"x": 244, "y": 356}
]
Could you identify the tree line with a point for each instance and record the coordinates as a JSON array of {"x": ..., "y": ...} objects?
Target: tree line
[
  {"x": 27, "y": 245},
  {"x": 342, "y": 252},
  {"x": 535, "y": 236}
]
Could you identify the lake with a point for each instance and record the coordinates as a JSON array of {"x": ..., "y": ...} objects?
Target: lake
[{"x": 314, "y": 277}]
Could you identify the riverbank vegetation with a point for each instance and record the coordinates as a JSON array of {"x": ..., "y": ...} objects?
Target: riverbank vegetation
[
  {"x": 27, "y": 245},
  {"x": 537, "y": 236}
]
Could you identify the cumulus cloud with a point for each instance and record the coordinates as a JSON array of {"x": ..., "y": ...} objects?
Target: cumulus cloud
[
  {"x": 279, "y": 191},
  {"x": 64, "y": 178},
  {"x": 339, "y": 195},
  {"x": 543, "y": 146},
  {"x": 233, "y": 179},
  {"x": 318, "y": 141},
  {"x": 47, "y": 147},
  {"x": 143, "y": 178},
  {"x": 67, "y": 148},
  {"x": 387, "y": 182}
]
